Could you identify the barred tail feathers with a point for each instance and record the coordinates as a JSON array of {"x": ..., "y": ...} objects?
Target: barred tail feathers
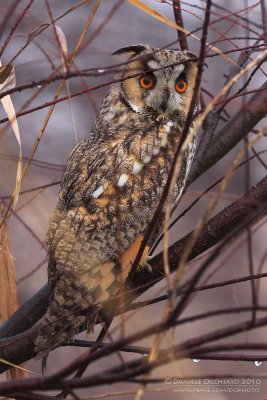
[{"x": 88, "y": 291}]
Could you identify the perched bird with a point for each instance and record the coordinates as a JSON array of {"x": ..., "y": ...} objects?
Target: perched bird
[{"x": 112, "y": 186}]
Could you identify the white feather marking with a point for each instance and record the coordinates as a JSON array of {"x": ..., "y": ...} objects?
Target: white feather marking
[
  {"x": 135, "y": 107},
  {"x": 156, "y": 151},
  {"x": 98, "y": 192},
  {"x": 168, "y": 126},
  {"x": 191, "y": 147},
  {"x": 147, "y": 158},
  {"x": 152, "y": 64},
  {"x": 123, "y": 180},
  {"x": 137, "y": 167},
  {"x": 164, "y": 141}
]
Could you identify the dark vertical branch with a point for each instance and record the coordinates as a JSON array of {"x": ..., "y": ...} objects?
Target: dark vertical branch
[
  {"x": 264, "y": 19},
  {"x": 179, "y": 307},
  {"x": 249, "y": 242},
  {"x": 179, "y": 21},
  {"x": 156, "y": 217},
  {"x": 247, "y": 180}
]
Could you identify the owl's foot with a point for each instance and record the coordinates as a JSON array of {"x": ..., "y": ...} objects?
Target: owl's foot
[
  {"x": 144, "y": 263},
  {"x": 127, "y": 259}
]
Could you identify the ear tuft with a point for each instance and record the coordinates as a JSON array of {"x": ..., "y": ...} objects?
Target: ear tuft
[{"x": 130, "y": 51}]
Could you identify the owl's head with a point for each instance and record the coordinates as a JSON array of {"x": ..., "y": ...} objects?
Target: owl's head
[{"x": 163, "y": 80}]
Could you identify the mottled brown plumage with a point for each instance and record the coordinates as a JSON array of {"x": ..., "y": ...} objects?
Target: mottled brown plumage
[{"x": 112, "y": 186}]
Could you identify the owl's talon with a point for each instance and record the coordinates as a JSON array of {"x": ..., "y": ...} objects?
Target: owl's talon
[
  {"x": 148, "y": 267},
  {"x": 145, "y": 264}
]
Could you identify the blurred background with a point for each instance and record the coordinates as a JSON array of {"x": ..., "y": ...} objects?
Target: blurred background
[{"x": 118, "y": 23}]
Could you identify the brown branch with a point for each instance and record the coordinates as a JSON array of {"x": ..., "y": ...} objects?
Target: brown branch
[
  {"x": 231, "y": 133},
  {"x": 179, "y": 21},
  {"x": 27, "y": 315},
  {"x": 190, "y": 348},
  {"x": 264, "y": 19},
  {"x": 201, "y": 288},
  {"x": 33, "y": 189}
]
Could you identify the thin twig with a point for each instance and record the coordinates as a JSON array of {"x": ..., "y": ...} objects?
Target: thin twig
[{"x": 18, "y": 21}]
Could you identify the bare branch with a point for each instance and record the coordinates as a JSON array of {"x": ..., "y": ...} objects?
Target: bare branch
[
  {"x": 233, "y": 132},
  {"x": 179, "y": 21}
]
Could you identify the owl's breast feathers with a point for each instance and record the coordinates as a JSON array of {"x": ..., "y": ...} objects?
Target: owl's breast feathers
[{"x": 110, "y": 190}]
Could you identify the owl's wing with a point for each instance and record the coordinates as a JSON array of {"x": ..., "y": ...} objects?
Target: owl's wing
[{"x": 86, "y": 169}]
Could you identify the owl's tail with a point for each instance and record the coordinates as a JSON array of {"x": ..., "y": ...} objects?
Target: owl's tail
[
  {"x": 76, "y": 302},
  {"x": 89, "y": 291},
  {"x": 64, "y": 316}
]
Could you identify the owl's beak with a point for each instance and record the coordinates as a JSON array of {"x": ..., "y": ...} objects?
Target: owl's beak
[{"x": 164, "y": 102}]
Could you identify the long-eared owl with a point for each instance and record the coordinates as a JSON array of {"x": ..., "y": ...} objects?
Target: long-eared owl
[{"x": 112, "y": 186}]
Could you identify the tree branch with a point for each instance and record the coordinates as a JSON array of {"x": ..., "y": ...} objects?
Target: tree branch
[
  {"x": 179, "y": 21},
  {"x": 27, "y": 315},
  {"x": 231, "y": 133}
]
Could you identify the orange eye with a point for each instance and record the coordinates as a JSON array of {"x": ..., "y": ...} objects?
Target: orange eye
[
  {"x": 180, "y": 85},
  {"x": 147, "y": 82}
]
